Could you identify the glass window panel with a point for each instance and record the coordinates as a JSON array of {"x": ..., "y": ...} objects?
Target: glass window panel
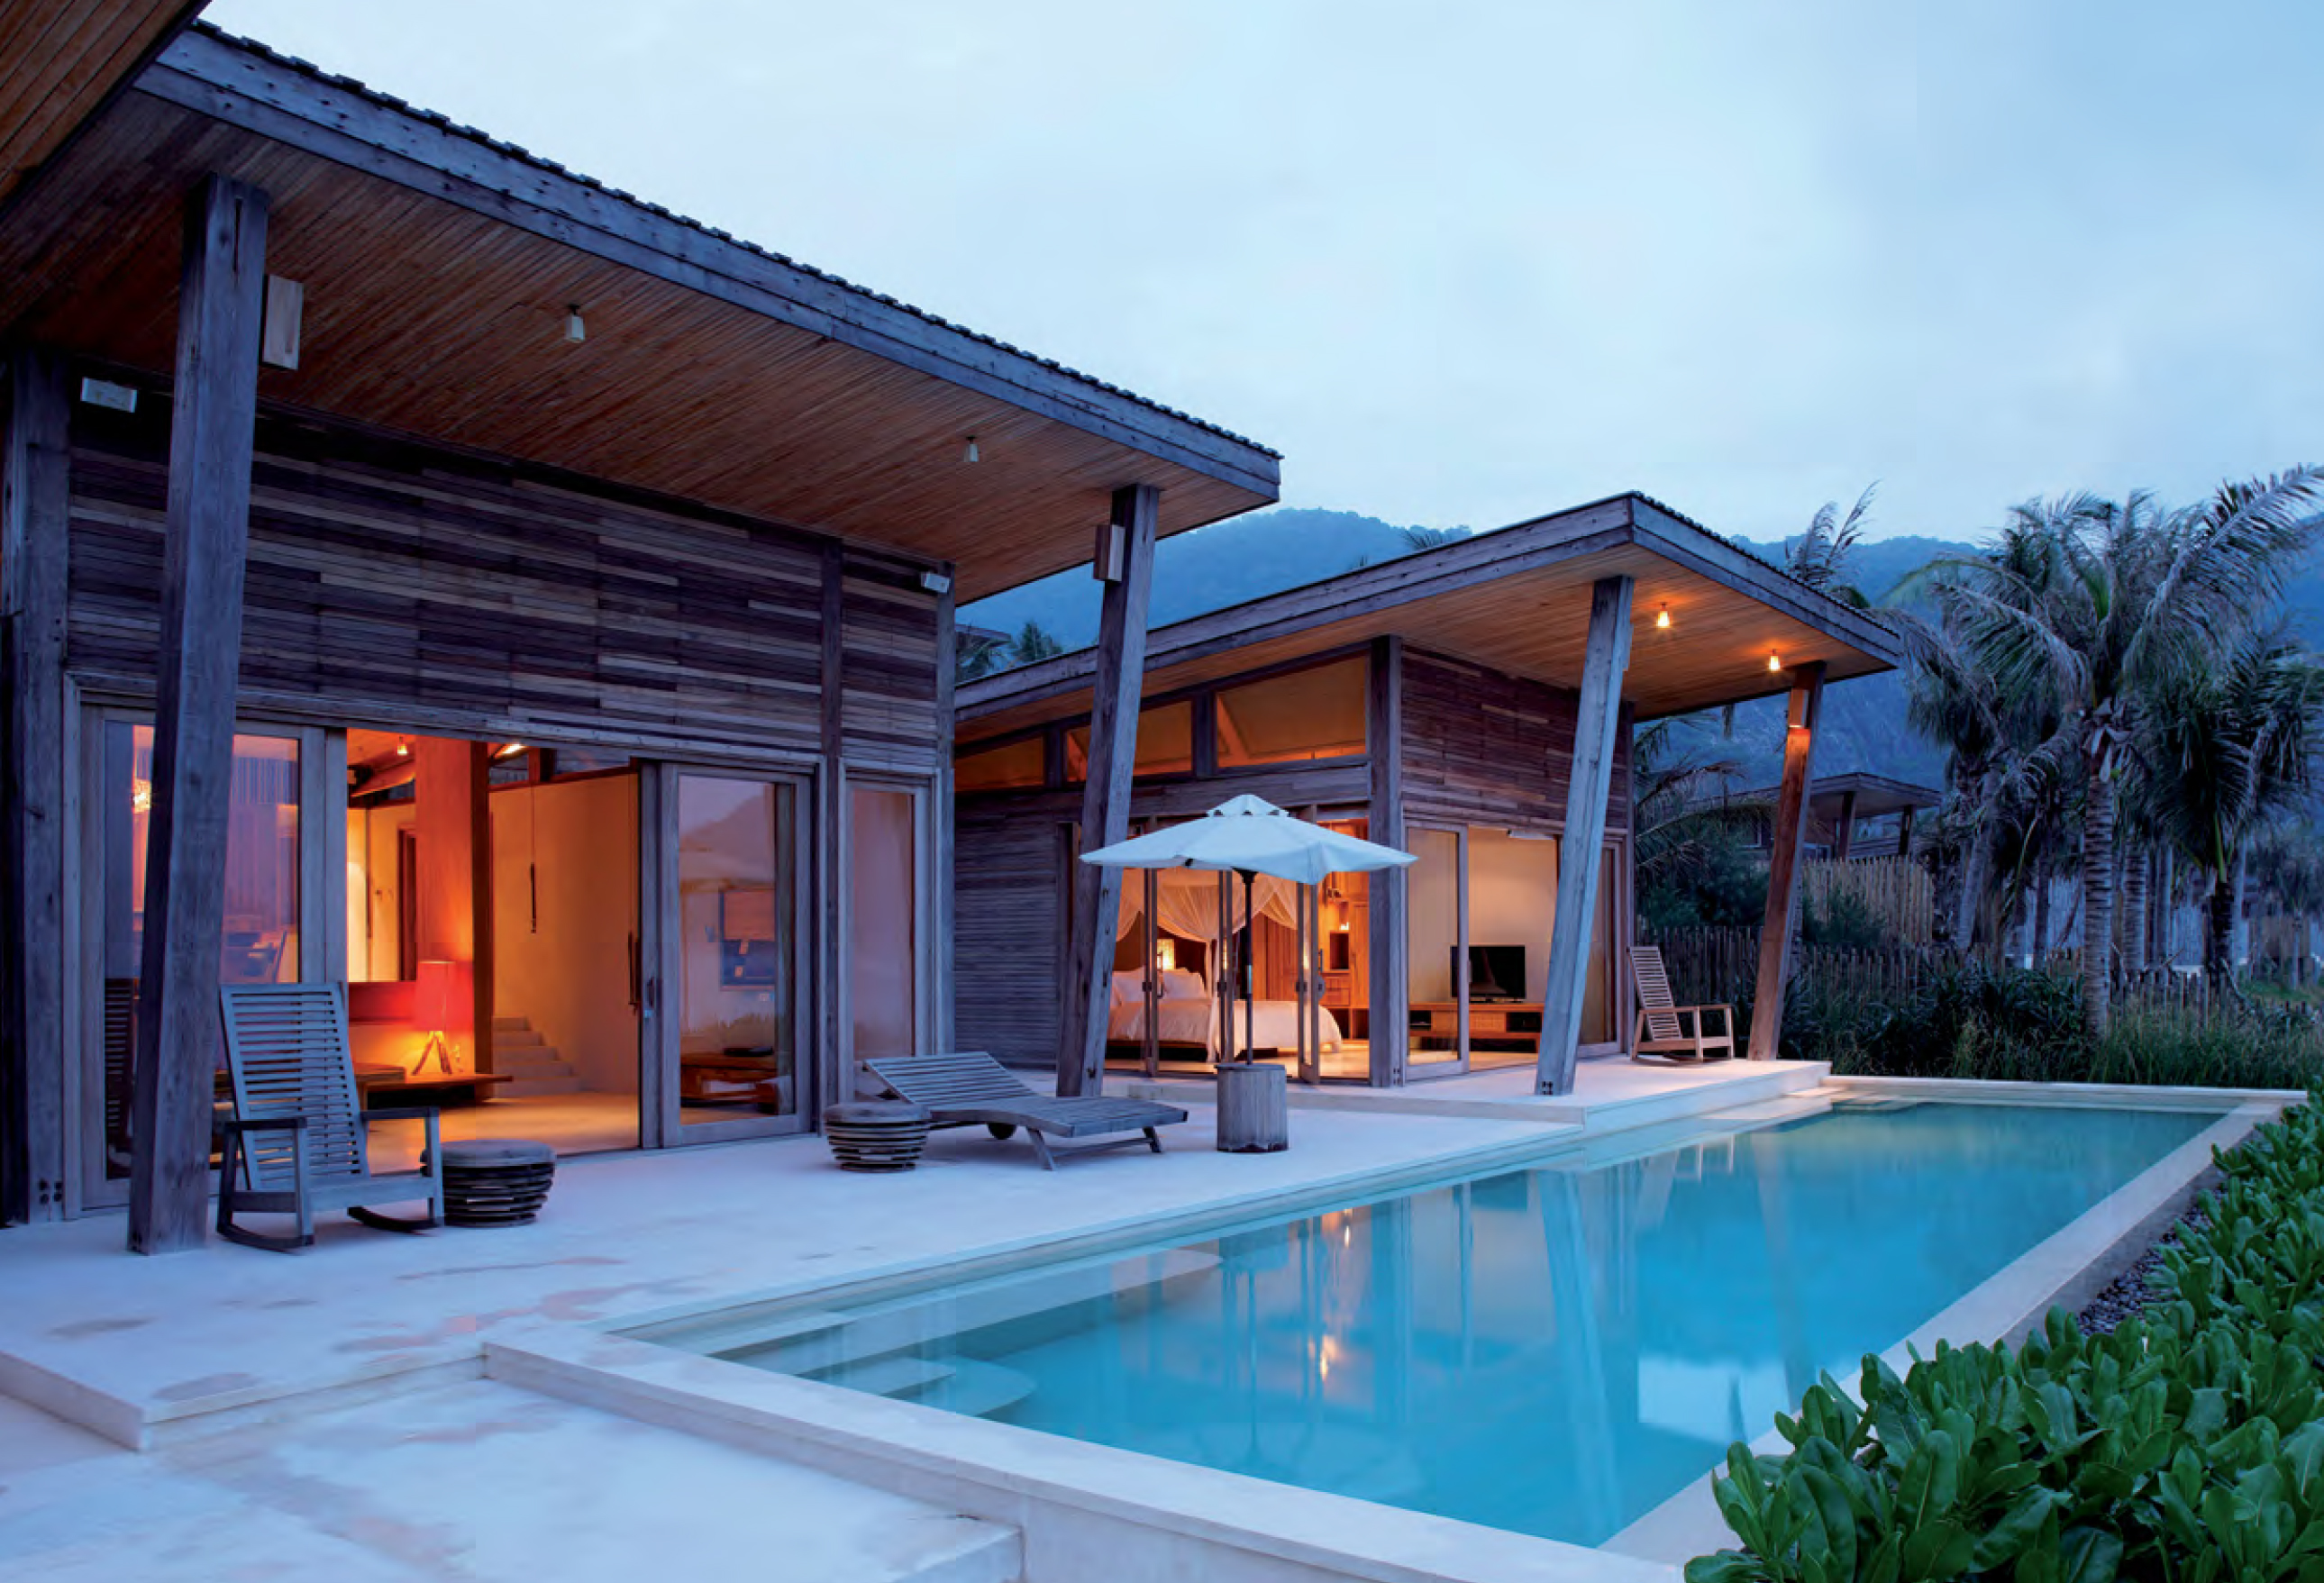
[
  {"x": 738, "y": 1009},
  {"x": 260, "y": 939},
  {"x": 1314, "y": 714},
  {"x": 1166, "y": 742},
  {"x": 883, "y": 925},
  {"x": 1006, "y": 766},
  {"x": 1433, "y": 931}
]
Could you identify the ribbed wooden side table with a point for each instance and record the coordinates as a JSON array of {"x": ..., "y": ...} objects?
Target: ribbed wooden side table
[
  {"x": 496, "y": 1181},
  {"x": 876, "y": 1135}
]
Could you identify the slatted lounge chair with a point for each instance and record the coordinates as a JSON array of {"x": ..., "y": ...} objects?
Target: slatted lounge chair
[
  {"x": 1662, "y": 1033},
  {"x": 961, "y": 1091},
  {"x": 296, "y": 1144}
]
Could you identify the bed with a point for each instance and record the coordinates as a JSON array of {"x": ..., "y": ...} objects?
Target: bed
[{"x": 1186, "y": 1020}]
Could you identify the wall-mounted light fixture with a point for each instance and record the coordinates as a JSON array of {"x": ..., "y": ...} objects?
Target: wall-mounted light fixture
[
  {"x": 575, "y": 331},
  {"x": 935, "y": 582}
]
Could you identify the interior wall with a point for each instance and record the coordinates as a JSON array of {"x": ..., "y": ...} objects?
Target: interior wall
[
  {"x": 566, "y": 966},
  {"x": 371, "y": 837},
  {"x": 1513, "y": 899}
]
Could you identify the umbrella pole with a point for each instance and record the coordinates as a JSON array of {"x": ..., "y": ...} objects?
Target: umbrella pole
[{"x": 1249, "y": 973}]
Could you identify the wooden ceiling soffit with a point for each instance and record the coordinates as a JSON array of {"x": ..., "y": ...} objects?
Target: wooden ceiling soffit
[
  {"x": 61, "y": 62},
  {"x": 284, "y": 101}
]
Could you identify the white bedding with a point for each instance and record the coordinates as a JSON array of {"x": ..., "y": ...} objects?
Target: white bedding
[{"x": 1196, "y": 1022}]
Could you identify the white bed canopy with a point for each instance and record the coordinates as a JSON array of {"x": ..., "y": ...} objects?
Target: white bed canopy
[{"x": 1280, "y": 860}]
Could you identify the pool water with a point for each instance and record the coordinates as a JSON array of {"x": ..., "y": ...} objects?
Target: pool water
[{"x": 1555, "y": 1350}]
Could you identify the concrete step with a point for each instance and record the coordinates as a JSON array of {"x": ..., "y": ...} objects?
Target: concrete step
[
  {"x": 530, "y": 1061},
  {"x": 517, "y": 1039},
  {"x": 510, "y": 1024}
]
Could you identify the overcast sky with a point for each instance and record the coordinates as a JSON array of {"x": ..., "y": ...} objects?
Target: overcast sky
[{"x": 1466, "y": 263}]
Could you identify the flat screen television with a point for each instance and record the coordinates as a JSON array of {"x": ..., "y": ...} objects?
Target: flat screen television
[{"x": 1496, "y": 972}]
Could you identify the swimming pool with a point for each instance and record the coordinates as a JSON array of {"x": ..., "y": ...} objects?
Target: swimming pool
[{"x": 1554, "y": 1349}]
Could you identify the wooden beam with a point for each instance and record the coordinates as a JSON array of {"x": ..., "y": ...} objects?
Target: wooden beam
[
  {"x": 35, "y": 510},
  {"x": 1120, "y": 676},
  {"x": 1843, "y": 828},
  {"x": 213, "y": 423},
  {"x": 1597, "y": 739},
  {"x": 1391, "y": 977},
  {"x": 1904, "y": 834},
  {"x": 1805, "y": 706},
  {"x": 836, "y": 1082}
]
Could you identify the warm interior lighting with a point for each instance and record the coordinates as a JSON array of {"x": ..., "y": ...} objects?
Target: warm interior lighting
[
  {"x": 508, "y": 750},
  {"x": 433, "y": 1005},
  {"x": 969, "y": 453},
  {"x": 140, "y": 796},
  {"x": 1165, "y": 953},
  {"x": 1773, "y": 663},
  {"x": 403, "y": 749},
  {"x": 1662, "y": 617}
]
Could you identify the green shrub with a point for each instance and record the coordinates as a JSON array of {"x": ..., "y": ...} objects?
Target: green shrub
[{"x": 2187, "y": 1446}]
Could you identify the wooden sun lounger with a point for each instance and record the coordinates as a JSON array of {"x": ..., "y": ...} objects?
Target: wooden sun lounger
[
  {"x": 1662, "y": 1031},
  {"x": 960, "y": 1091}
]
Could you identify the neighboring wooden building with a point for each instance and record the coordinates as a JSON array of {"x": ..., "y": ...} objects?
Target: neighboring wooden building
[
  {"x": 1857, "y": 815},
  {"x": 428, "y": 568},
  {"x": 1472, "y": 704}
]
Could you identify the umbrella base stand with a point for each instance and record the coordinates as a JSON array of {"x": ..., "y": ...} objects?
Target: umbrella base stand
[{"x": 1254, "y": 1111}]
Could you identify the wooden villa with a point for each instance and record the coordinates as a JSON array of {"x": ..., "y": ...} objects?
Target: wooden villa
[
  {"x": 429, "y": 570},
  {"x": 1474, "y": 705}
]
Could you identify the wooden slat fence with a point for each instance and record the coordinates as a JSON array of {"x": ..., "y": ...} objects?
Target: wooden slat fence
[{"x": 1896, "y": 891}]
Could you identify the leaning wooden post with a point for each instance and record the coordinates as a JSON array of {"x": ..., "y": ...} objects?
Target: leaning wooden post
[
  {"x": 212, "y": 426},
  {"x": 1125, "y": 562},
  {"x": 1804, "y": 705},
  {"x": 35, "y": 507},
  {"x": 1596, "y": 736}
]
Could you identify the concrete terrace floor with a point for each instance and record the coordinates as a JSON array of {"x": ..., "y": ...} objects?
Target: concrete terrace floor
[{"x": 295, "y": 1406}]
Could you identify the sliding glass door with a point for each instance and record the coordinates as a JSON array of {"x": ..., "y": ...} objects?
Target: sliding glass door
[
  {"x": 888, "y": 937},
  {"x": 279, "y": 925},
  {"x": 730, "y": 1042}
]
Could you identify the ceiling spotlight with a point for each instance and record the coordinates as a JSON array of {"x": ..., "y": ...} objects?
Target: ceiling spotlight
[
  {"x": 575, "y": 332},
  {"x": 1662, "y": 617},
  {"x": 509, "y": 750},
  {"x": 969, "y": 453}
]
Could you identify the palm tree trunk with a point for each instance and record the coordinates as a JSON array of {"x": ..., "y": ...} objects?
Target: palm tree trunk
[
  {"x": 2163, "y": 949},
  {"x": 2041, "y": 918},
  {"x": 2098, "y": 892},
  {"x": 2219, "y": 934},
  {"x": 2239, "y": 941},
  {"x": 1975, "y": 865}
]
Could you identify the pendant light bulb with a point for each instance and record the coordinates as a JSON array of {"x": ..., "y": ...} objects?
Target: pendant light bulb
[
  {"x": 1662, "y": 619},
  {"x": 969, "y": 453},
  {"x": 1773, "y": 663}
]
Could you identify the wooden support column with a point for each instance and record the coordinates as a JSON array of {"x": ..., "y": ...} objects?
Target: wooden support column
[
  {"x": 1597, "y": 737},
  {"x": 1120, "y": 676},
  {"x": 36, "y": 507},
  {"x": 1805, "y": 706},
  {"x": 940, "y": 821},
  {"x": 1388, "y": 1019},
  {"x": 1904, "y": 835},
  {"x": 836, "y": 1081},
  {"x": 1843, "y": 829},
  {"x": 213, "y": 423}
]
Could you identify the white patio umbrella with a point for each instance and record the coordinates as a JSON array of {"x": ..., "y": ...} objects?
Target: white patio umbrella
[{"x": 1250, "y": 836}]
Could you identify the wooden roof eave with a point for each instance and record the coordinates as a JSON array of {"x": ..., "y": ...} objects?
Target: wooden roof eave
[
  {"x": 52, "y": 86},
  {"x": 1628, "y": 520},
  {"x": 251, "y": 90}
]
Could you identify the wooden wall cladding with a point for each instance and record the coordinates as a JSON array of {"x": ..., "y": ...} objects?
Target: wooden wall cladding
[
  {"x": 1486, "y": 749},
  {"x": 1008, "y": 910},
  {"x": 394, "y": 584}
]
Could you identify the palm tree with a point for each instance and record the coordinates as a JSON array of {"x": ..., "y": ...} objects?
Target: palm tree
[
  {"x": 2290, "y": 860},
  {"x": 1033, "y": 642},
  {"x": 1679, "y": 803},
  {"x": 2229, "y": 748},
  {"x": 1819, "y": 557},
  {"x": 2142, "y": 596},
  {"x": 1420, "y": 538}
]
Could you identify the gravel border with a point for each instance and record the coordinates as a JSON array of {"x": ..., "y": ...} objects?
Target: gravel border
[{"x": 2127, "y": 1295}]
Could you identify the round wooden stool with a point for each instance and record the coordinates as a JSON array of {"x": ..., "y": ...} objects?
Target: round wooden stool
[
  {"x": 876, "y": 1135},
  {"x": 496, "y": 1181}
]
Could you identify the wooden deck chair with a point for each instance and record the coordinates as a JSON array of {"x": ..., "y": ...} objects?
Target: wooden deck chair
[
  {"x": 960, "y": 1091},
  {"x": 1661, "y": 1032},
  {"x": 296, "y": 1144}
]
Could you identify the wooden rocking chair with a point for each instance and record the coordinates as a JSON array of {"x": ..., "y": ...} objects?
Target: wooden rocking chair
[
  {"x": 1662, "y": 1033},
  {"x": 296, "y": 1144}
]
